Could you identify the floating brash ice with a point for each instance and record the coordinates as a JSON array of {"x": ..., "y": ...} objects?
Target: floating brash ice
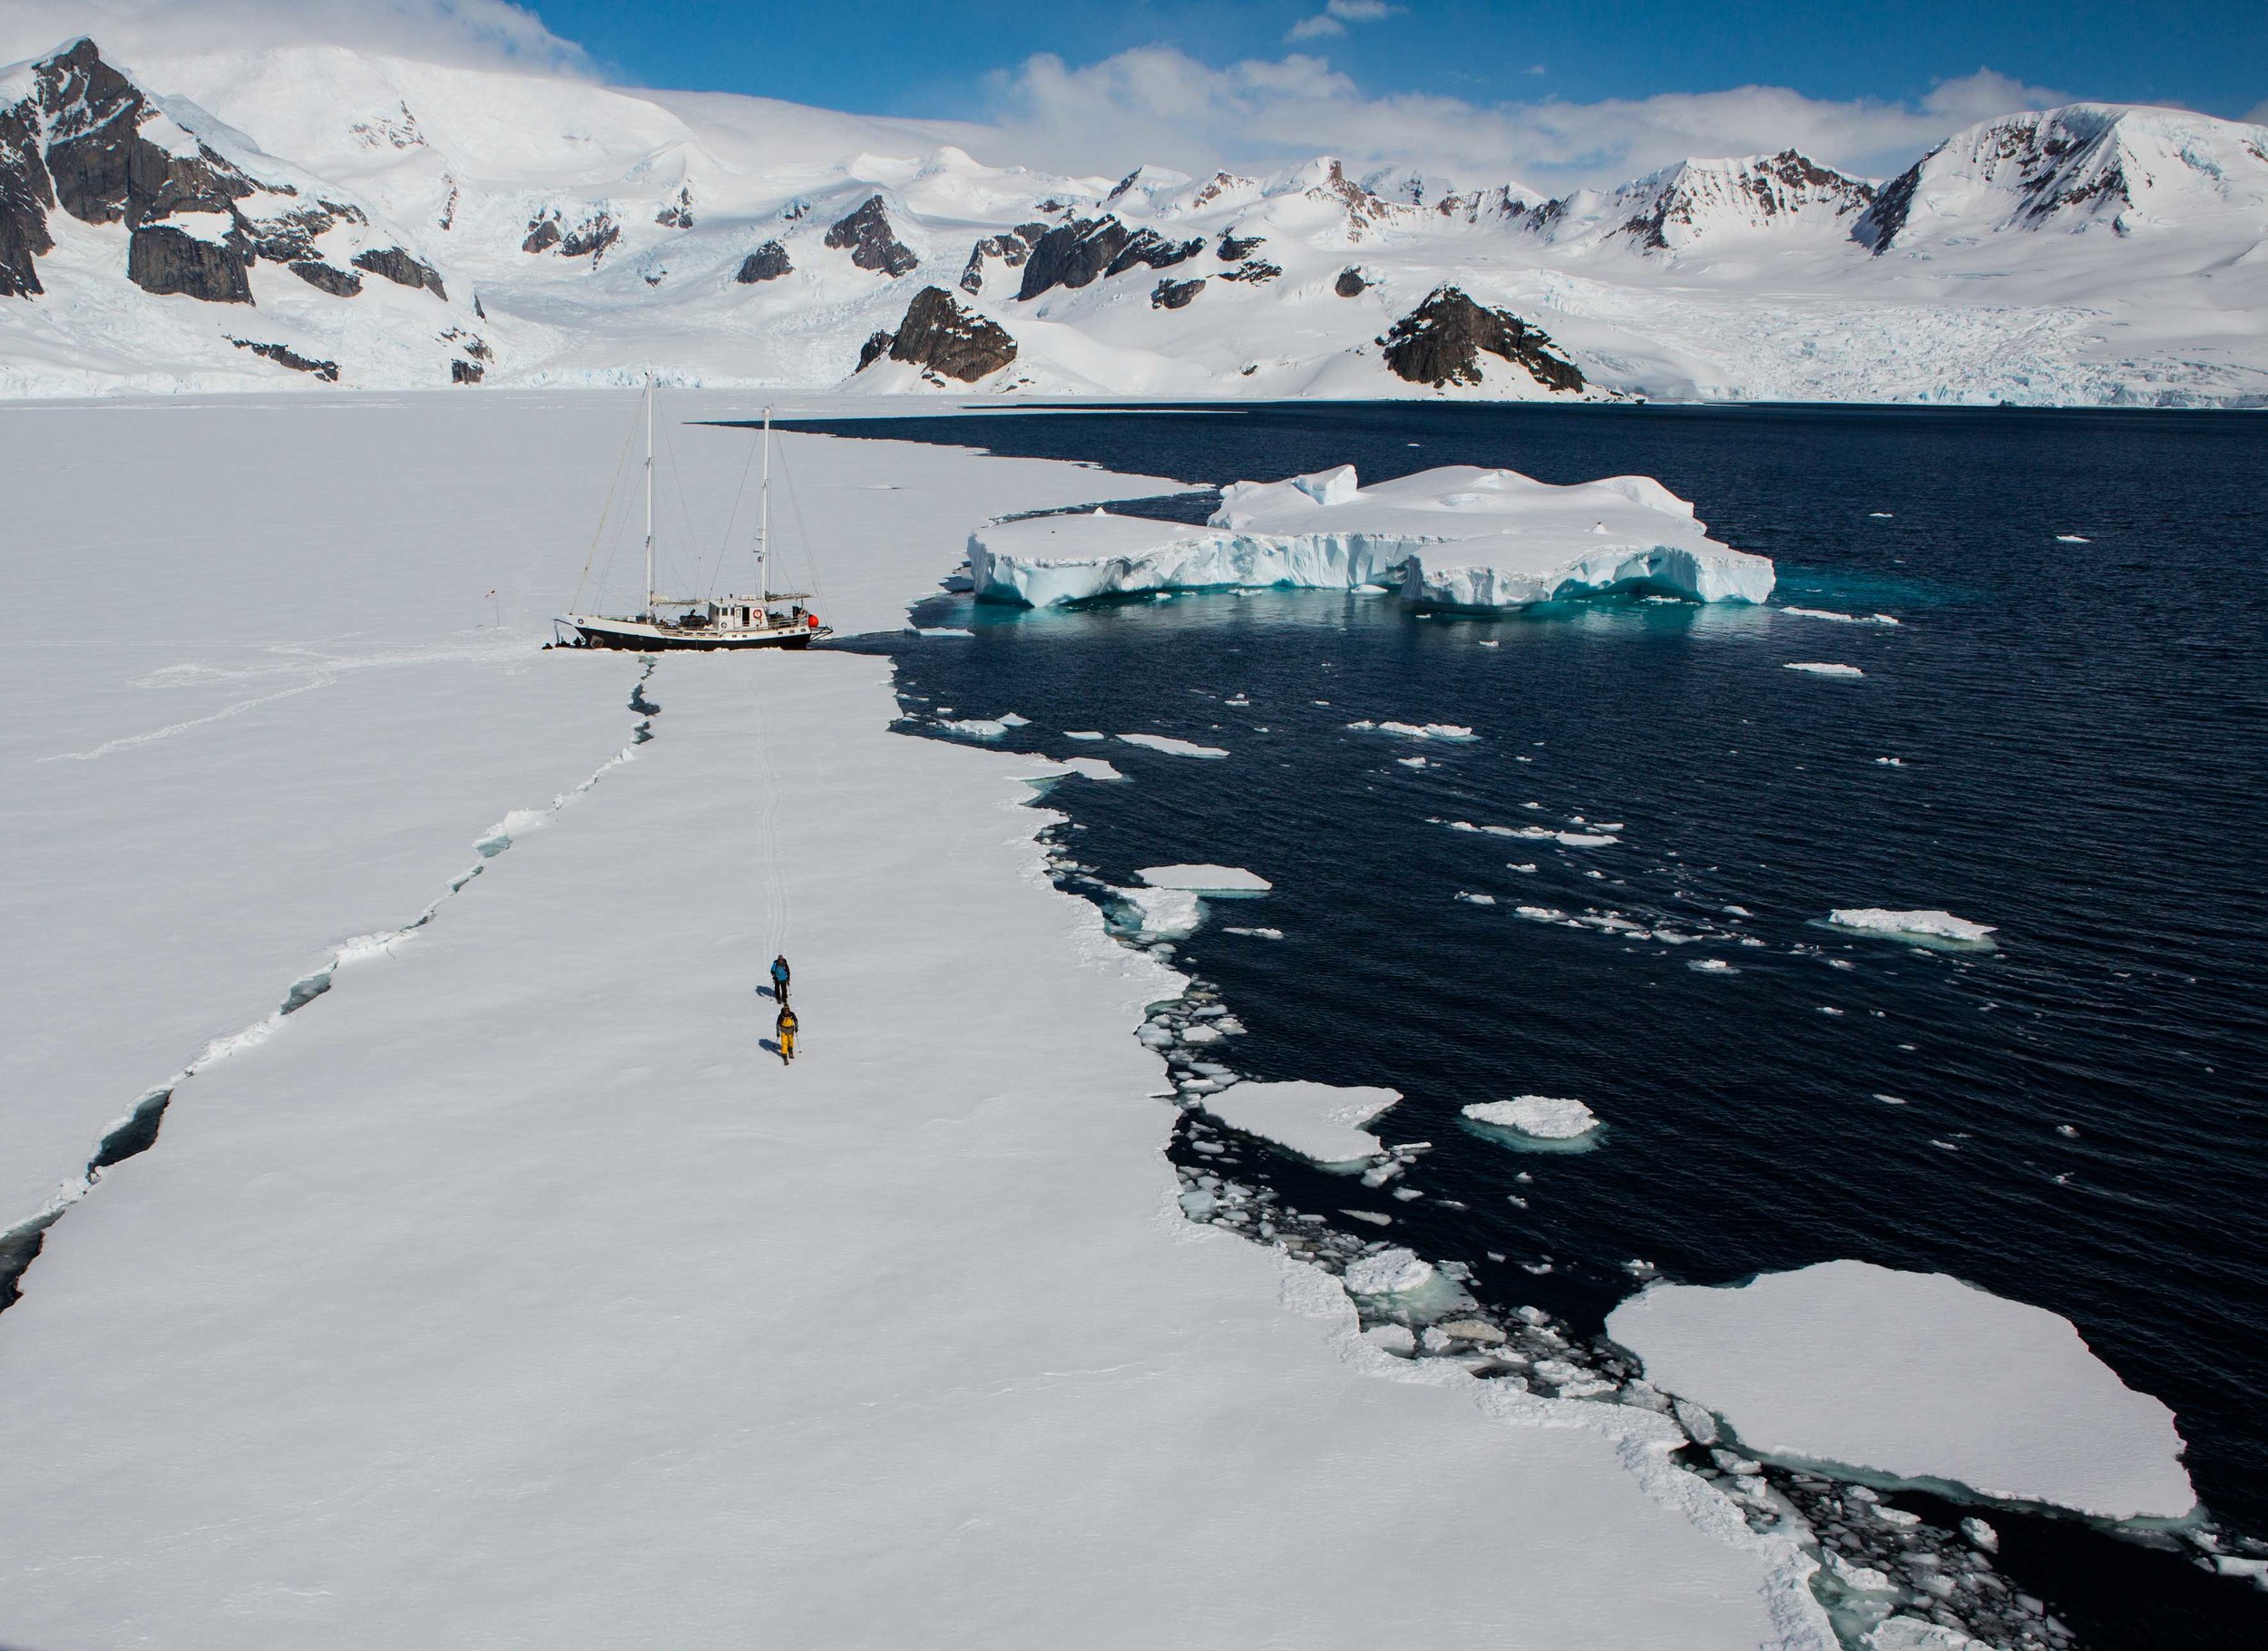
[{"x": 1456, "y": 537}]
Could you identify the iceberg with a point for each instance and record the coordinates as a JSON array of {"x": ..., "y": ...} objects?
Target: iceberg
[
  {"x": 1320, "y": 1122},
  {"x": 1457, "y": 537},
  {"x": 1916, "y": 1376},
  {"x": 1820, "y": 668},
  {"x": 1174, "y": 748}
]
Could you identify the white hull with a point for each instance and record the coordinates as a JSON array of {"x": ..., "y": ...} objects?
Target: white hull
[{"x": 646, "y": 636}]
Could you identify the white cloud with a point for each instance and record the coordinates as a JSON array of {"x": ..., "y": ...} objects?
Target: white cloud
[
  {"x": 492, "y": 34},
  {"x": 1336, "y": 15},
  {"x": 1157, "y": 103}
]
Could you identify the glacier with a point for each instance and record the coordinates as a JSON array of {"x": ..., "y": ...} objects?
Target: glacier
[{"x": 1459, "y": 536}]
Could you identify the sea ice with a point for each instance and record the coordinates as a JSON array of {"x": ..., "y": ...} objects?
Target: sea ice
[
  {"x": 1205, "y": 879},
  {"x": 975, "y": 728},
  {"x": 1257, "y": 934},
  {"x": 1164, "y": 914},
  {"x": 2071, "y": 539},
  {"x": 1091, "y": 767},
  {"x": 1941, "y": 927},
  {"x": 1320, "y": 1122},
  {"x": 1172, "y": 746},
  {"x": 1914, "y": 1376},
  {"x": 1393, "y": 1272},
  {"x": 1817, "y": 669},
  {"x": 1418, "y": 730},
  {"x": 1085, "y": 733},
  {"x": 1846, "y": 619},
  {"x": 1456, "y": 537},
  {"x": 1542, "y": 1117}
]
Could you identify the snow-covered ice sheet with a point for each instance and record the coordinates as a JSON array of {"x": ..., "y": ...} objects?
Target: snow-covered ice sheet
[
  {"x": 499, "y": 1296},
  {"x": 1455, "y": 537},
  {"x": 1322, "y": 1122},
  {"x": 1914, "y": 1376}
]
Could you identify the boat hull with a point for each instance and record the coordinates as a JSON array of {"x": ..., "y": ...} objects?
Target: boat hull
[{"x": 637, "y": 638}]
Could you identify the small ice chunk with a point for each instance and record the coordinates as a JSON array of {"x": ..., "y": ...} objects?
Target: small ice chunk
[
  {"x": 1397, "y": 1338},
  {"x": 1395, "y": 1272},
  {"x": 1820, "y": 669},
  {"x": 1928, "y": 925},
  {"x": 975, "y": 728},
  {"x": 1164, "y": 914},
  {"x": 1413, "y": 762},
  {"x": 1091, "y": 767},
  {"x": 1084, "y": 734},
  {"x": 1472, "y": 899},
  {"x": 1257, "y": 934},
  {"x": 1982, "y": 1534},
  {"x": 1545, "y": 1117},
  {"x": 1844, "y": 619},
  {"x": 1419, "y": 731},
  {"x": 1011, "y": 720},
  {"x": 2072, "y": 539},
  {"x": 1174, "y": 747},
  {"x": 1371, "y": 1215},
  {"x": 1205, "y": 879}
]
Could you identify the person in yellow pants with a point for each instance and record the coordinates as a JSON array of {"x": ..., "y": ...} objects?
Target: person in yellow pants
[{"x": 786, "y": 1028}]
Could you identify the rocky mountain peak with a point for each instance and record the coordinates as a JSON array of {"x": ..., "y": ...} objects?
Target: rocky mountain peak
[{"x": 1441, "y": 341}]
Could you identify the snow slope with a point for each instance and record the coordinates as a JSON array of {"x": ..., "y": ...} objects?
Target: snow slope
[
  {"x": 2091, "y": 254},
  {"x": 510, "y": 1291},
  {"x": 1458, "y": 536}
]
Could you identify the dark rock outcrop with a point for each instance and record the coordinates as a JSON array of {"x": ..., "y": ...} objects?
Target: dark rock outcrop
[
  {"x": 465, "y": 372},
  {"x": 105, "y": 171},
  {"x": 943, "y": 338},
  {"x": 676, "y": 212},
  {"x": 866, "y": 232},
  {"x": 1175, "y": 295},
  {"x": 1150, "y": 248},
  {"x": 26, "y": 193},
  {"x": 1442, "y": 340},
  {"x": 1233, "y": 245},
  {"x": 401, "y": 268},
  {"x": 1010, "y": 247},
  {"x": 283, "y": 355},
  {"x": 1879, "y": 225},
  {"x": 769, "y": 262},
  {"x": 163, "y": 260},
  {"x": 544, "y": 233},
  {"x": 590, "y": 238},
  {"x": 1774, "y": 187},
  {"x": 1073, "y": 254},
  {"x": 1253, "y": 270},
  {"x": 290, "y": 237},
  {"x": 339, "y": 283},
  {"x": 1350, "y": 284},
  {"x": 877, "y": 345}
]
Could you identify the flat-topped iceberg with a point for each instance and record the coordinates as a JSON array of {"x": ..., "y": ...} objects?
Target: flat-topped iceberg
[
  {"x": 1205, "y": 879},
  {"x": 1941, "y": 927},
  {"x": 1548, "y": 1117},
  {"x": 1456, "y": 537},
  {"x": 1917, "y": 1376}
]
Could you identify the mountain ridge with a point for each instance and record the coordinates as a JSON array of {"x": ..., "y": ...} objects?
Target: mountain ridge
[{"x": 560, "y": 233}]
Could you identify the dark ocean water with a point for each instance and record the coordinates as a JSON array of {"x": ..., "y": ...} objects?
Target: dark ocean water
[{"x": 2081, "y": 737}]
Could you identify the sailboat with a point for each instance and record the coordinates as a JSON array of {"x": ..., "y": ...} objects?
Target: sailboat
[{"x": 769, "y": 619}]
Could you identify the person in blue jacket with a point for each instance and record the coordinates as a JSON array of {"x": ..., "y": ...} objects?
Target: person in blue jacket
[{"x": 780, "y": 979}]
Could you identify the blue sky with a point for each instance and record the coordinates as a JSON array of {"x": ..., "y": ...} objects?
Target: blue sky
[{"x": 933, "y": 57}]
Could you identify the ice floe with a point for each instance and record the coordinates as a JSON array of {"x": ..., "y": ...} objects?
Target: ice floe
[
  {"x": 1091, "y": 767},
  {"x": 1917, "y": 1376},
  {"x": 1163, "y": 914},
  {"x": 1542, "y": 1118},
  {"x": 1417, "y": 730},
  {"x": 1455, "y": 537},
  {"x": 1172, "y": 746},
  {"x": 1205, "y": 879},
  {"x": 1822, "y": 668},
  {"x": 975, "y": 728},
  {"x": 1320, "y": 1122},
  {"x": 1941, "y": 928},
  {"x": 1844, "y": 619}
]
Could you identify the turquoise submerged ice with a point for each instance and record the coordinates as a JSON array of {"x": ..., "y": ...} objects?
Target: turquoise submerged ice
[{"x": 1456, "y": 537}]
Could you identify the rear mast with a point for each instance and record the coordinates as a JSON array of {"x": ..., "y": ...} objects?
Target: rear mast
[
  {"x": 650, "y": 605},
  {"x": 764, "y": 518}
]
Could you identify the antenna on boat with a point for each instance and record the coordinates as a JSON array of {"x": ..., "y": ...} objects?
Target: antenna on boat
[
  {"x": 764, "y": 515},
  {"x": 649, "y": 596}
]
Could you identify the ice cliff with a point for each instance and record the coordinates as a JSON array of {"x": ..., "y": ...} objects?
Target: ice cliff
[{"x": 1456, "y": 537}]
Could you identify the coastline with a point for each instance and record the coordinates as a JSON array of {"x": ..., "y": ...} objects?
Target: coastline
[{"x": 514, "y": 1291}]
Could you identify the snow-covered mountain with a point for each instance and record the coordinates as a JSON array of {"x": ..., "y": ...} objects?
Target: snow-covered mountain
[{"x": 316, "y": 215}]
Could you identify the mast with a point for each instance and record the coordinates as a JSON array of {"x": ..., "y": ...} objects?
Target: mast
[
  {"x": 649, "y": 597},
  {"x": 764, "y": 515}
]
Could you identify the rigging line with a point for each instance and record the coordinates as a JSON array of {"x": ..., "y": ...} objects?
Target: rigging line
[
  {"x": 724, "y": 545},
  {"x": 599, "y": 532},
  {"x": 803, "y": 535},
  {"x": 685, "y": 513}
]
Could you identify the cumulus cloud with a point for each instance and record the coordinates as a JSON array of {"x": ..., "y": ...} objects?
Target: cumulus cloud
[
  {"x": 487, "y": 34},
  {"x": 1157, "y": 103},
  {"x": 1334, "y": 16}
]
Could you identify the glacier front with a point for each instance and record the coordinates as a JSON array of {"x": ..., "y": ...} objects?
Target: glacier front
[{"x": 1456, "y": 537}]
